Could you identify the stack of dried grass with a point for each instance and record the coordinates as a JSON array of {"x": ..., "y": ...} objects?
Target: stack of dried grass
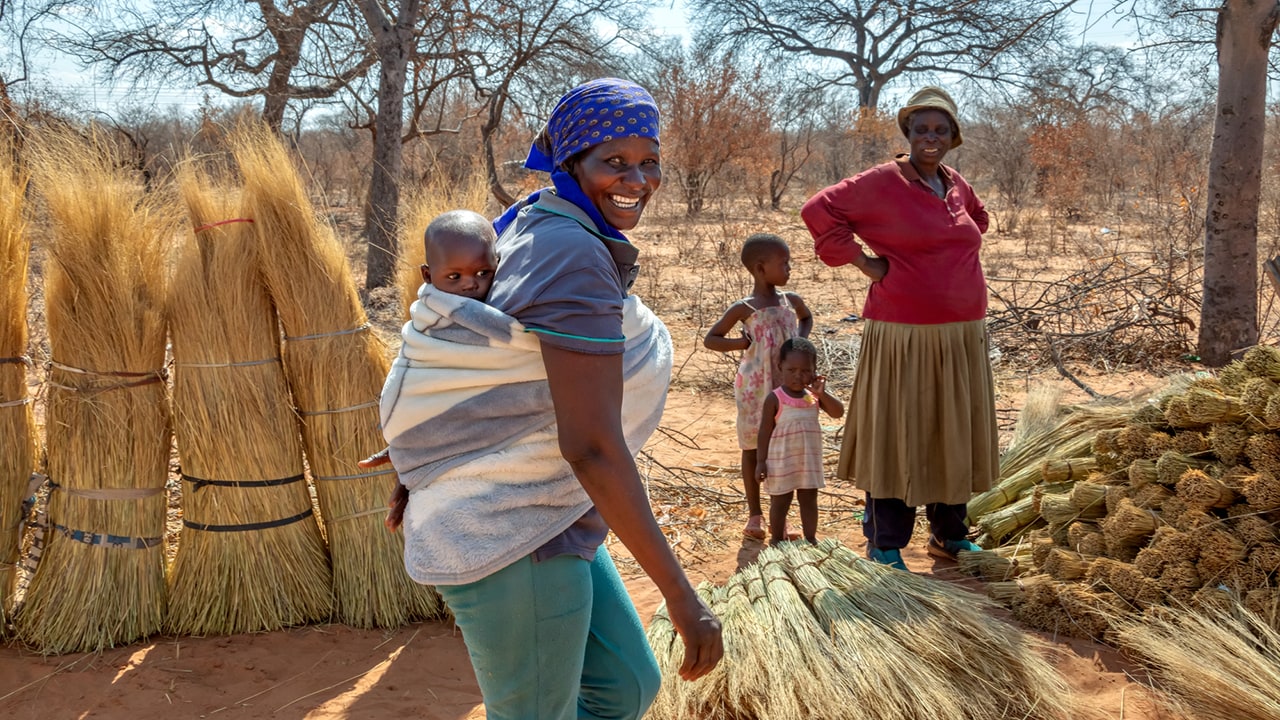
[
  {"x": 1214, "y": 663},
  {"x": 17, "y": 425},
  {"x": 1190, "y": 499},
  {"x": 819, "y": 632},
  {"x": 100, "y": 580},
  {"x": 335, "y": 366},
  {"x": 250, "y": 556}
]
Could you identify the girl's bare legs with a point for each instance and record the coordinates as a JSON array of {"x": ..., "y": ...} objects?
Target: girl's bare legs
[
  {"x": 751, "y": 488},
  {"x": 779, "y": 506},
  {"x": 807, "y": 499}
]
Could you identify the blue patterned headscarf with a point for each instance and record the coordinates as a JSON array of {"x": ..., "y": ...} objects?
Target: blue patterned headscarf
[{"x": 592, "y": 113}]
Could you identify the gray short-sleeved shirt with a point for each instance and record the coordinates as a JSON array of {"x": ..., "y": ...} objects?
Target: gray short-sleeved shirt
[{"x": 566, "y": 283}]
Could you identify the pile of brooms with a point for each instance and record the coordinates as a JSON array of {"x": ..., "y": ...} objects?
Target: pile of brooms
[{"x": 816, "y": 632}]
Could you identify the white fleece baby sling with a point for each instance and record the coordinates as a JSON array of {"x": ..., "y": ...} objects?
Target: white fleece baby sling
[{"x": 467, "y": 414}]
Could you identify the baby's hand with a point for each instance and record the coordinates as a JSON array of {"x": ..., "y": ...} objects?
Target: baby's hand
[{"x": 819, "y": 385}]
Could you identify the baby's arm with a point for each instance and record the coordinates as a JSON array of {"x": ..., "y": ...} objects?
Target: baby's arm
[
  {"x": 766, "y": 434},
  {"x": 828, "y": 402},
  {"x": 716, "y": 340},
  {"x": 803, "y": 315}
]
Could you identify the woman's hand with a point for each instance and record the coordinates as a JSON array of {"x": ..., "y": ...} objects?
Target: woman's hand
[
  {"x": 399, "y": 499},
  {"x": 700, "y": 630},
  {"x": 874, "y": 267}
]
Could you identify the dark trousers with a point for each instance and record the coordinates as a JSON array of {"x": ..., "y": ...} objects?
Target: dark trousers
[{"x": 889, "y": 522}]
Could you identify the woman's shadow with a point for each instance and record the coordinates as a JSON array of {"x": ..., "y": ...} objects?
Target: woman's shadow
[{"x": 749, "y": 551}]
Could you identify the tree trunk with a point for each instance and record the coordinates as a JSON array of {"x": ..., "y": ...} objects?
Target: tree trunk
[
  {"x": 394, "y": 44},
  {"x": 1229, "y": 314},
  {"x": 487, "y": 131}
]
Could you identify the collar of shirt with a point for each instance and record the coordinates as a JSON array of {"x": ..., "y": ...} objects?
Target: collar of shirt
[{"x": 910, "y": 175}]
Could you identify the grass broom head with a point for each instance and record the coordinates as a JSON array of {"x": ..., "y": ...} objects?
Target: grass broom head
[
  {"x": 1106, "y": 442},
  {"x": 1129, "y": 524},
  {"x": 1177, "y": 414},
  {"x": 1149, "y": 414},
  {"x": 1254, "y": 530},
  {"x": 1211, "y": 664},
  {"x": 1132, "y": 442},
  {"x": 1190, "y": 442},
  {"x": 234, "y": 423},
  {"x": 1158, "y": 443},
  {"x": 1266, "y": 558},
  {"x": 1006, "y": 521},
  {"x": 1063, "y": 564},
  {"x": 1227, "y": 441},
  {"x": 1150, "y": 562},
  {"x": 336, "y": 367},
  {"x": 1204, "y": 492},
  {"x": 1261, "y": 490},
  {"x": 1142, "y": 472},
  {"x": 1263, "y": 361},
  {"x": 1233, "y": 377},
  {"x": 1180, "y": 575},
  {"x": 1040, "y": 548},
  {"x": 1171, "y": 466},
  {"x": 1090, "y": 498},
  {"x": 1099, "y": 573},
  {"x": 1056, "y": 509},
  {"x": 1255, "y": 394},
  {"x": 1206, "y": 406},
  {"x": 1265, "y": 603},
  {"x": 17, "y": 422},
  {"x": 1091, "y": 612},
  {"x": 441, "y": 193},
  {"x": 107, "y": 410},
  {"x": 1009, "y": 592},
  {"x": 1263, "y": 451}
]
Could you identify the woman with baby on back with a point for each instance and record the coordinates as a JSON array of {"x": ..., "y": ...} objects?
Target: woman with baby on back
[{"x": 769, "y": 318}]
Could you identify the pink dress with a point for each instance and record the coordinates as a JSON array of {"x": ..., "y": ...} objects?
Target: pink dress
[
  {"x": 768, "y": 328},
  {"x": 795, "y": 449}
]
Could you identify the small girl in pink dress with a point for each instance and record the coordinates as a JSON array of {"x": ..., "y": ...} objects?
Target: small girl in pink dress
[
  {"x": 790, "y": 441},
  {"x": 768, "y": 319}
]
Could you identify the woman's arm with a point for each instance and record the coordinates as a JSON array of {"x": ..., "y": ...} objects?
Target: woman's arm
[
  {"x": 716, "y": 340},
  {"x": 587, "y": 393}
]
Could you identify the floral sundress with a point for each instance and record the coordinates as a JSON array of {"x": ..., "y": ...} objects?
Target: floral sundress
[{"x": 758, "y": 374}]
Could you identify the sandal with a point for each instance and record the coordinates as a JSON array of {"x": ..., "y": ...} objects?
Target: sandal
[
  {"x": 949, "y": 549},
  {"x": 755, "y": 528},
  {"x": 790, "y": 534}
]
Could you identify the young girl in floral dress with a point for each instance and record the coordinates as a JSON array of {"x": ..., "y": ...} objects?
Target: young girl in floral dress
[
  {"x": 768, "y": 319},
  {"x": 790, "y": 442}
]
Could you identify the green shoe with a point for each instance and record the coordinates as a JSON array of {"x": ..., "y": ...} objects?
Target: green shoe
[{"x": 891, "y": 557}]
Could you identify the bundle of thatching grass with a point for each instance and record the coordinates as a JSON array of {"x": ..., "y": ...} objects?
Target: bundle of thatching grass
[
  {"x": 442, "y": 193},
  {"x": 17, "y": 424},
  {"x": 1219, "y": 664},
  {"x": 250, "y": 555},
  {"x": 100, "y": 580},
  {"x": 819, "y": 632},
  {"x": 335, "y": 367}
]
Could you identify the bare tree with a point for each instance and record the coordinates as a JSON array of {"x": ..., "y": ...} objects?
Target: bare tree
[
  {"x": 276, "y": 50},
  {"x": 867, "y": 45}
]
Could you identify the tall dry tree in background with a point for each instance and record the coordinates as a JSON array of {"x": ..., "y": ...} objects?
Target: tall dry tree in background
[{"x": 1229, "y": 316}]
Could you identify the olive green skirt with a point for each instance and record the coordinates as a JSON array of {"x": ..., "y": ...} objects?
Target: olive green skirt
[{"x": 921, "y": 425}]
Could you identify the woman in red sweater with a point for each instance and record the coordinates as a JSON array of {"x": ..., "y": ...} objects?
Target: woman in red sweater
[{"x": 921, "y": 428}]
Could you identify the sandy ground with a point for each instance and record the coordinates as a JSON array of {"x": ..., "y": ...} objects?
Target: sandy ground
[{"x": 422, "y": 670}]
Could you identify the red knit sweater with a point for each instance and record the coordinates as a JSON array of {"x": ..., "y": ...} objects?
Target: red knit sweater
[{"x": 931, "y": 244}]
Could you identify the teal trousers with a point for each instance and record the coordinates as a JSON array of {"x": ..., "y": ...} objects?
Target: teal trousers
[{"x": 556, "y": 640}]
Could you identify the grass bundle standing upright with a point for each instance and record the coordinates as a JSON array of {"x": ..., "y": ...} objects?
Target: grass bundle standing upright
[
  {"x": 17, "y": 427},
  {"x": 100, "y": 581},
  {"x": 250, "y": 556},
  {"x": 335, "y": 366}
]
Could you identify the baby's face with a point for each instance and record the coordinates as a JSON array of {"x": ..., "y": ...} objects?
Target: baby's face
[{"x": 461, "y": 265}]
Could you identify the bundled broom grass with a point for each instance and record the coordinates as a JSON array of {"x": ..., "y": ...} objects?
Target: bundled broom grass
[
  {"x": 1129, "y": 524},
  {"x": 17, "y": 425},
  {"x": 1217, "y": 665},
  {"x": 335, "y": 367},
  {"x": 100, "y": 581},
  {"x": 1203, "y": 492},
  {"x": 250, "y": 556},
  {"x": 1172, "y": 464}
]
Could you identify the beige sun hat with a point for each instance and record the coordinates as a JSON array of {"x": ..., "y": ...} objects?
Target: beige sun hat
[{"x": 931, "y": 98}]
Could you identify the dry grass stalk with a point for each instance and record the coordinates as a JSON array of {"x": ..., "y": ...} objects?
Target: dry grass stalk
[
  {"x": 1057, "y": 509},
  {"x": 1150, "y": 497},
  {"x": 17, "y": 423},
  {"x": 1220, "y": 553},
  {"x": 1266, "y": 557},
  {"x": 1040, "y": 547},
  {"x": 1254, "y": 530},
  {"x": 1006, "y": 592},
  {"x": 1067, "y": 469},
  {"x": 100, "y": 581},
  {"x": 1079, "y": 530},
  {"x": 1265, "y": 603},
  {"x": 1210, "y": 664},
  {"x": 1142, "y": 472},
  {"x": 1263, "y": 361},
  {"x": 1180, "y": 575},
  {"x": 1090, "y": 498},
  {"x": 1171, "y": 466},
  {"x": 1129, "y": 524},
  {"x": 1006, "y": 521},
  {"x": 1158, "y": 443},
  {"x": 1233, "y": 377},
  {"x": 1255, "y": 394},
  {"x": 1090, "y": 612},
  {"x": 420, "y": 207},
  {"x": 1065, "y": 564},
  {"x": 336, "y": 367},
  {"x": 995, "y": 565},
  {"x": 1207, "y": 407},
  {"x": 1178, "y": 414},
  {"x": 1204, "y": 492},
  {"x": 235, "y": 427},
  {"x": 1191, "y": 442}
]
